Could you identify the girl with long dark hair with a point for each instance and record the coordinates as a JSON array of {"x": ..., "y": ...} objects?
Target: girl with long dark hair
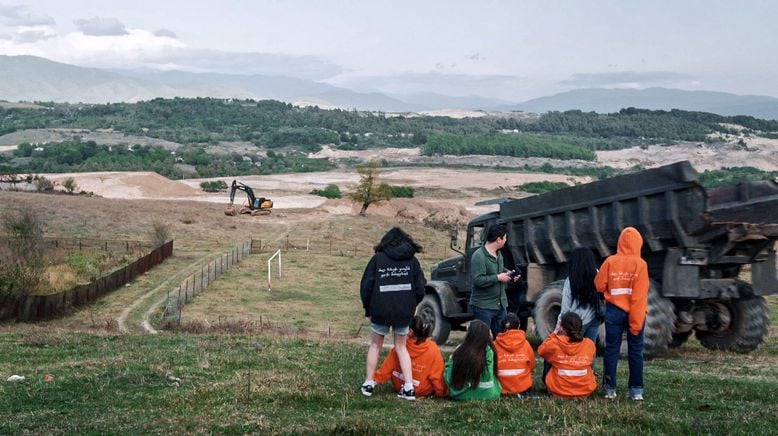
[
  {"x": 579, "y": 294},
  {"x": 470, "y": 371}
]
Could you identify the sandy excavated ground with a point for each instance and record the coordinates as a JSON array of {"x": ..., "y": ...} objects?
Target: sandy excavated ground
[
  {"x": 450, "y": 195},
  {"x": 759, "y": 153}
]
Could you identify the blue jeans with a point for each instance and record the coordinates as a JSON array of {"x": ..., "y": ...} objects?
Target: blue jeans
[
  {"x": 492, "y": 317},
  {"x": 616, "y": 321}
]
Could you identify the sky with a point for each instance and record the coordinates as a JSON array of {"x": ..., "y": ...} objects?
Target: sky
[{"x": 511, "y": 50}]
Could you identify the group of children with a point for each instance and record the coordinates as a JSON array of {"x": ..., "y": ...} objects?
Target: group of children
[{"x": 484, "y": 368}]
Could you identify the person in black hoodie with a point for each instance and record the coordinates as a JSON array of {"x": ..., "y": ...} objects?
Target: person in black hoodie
[{"x": 392, "y": 285}]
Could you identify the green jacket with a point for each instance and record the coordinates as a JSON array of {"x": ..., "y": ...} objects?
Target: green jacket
[
  {"x": 488, "y": 293},
  {"x": 489, "y": 387}
]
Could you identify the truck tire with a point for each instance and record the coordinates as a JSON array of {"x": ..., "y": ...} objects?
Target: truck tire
[
  {"x": 429, "y": 310},
  {"x": 680, "y": 338},
  {"x": 747, "y": 328},
  {"x": 660, "y": 323},
  {"x": 547, "y": 308}
]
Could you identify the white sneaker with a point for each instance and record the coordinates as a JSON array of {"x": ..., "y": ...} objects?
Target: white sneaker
[
  {"x": 636, "y": 397},
  {"x": 610, "y": 395},
  {"x": 367, "y": 390}
]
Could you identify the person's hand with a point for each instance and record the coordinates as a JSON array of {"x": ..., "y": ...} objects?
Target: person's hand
[
  {"x": 516, "y": 277},
  {"x": 503, "y": 277},
  {"x": 559, "y": 331}
]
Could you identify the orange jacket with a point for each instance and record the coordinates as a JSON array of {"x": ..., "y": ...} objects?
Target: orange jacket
[
  {"x": 515, "y": 361},
  {"x": 571, "y": 373},
  {"x": 428, "y": 366},
  {"x": 623, "y": 279}
]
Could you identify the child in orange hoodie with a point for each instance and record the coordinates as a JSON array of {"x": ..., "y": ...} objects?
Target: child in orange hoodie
[
  {"x": 515, "y": 358},
  {"x": 426, "y": 360},
  {"x": 571, "y": 356},
  {"x": 623, "y": 279}
]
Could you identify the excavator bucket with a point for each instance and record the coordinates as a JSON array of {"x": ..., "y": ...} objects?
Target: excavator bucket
[{"x": 231, "y": 210}]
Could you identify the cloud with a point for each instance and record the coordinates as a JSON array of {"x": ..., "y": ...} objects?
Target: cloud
[
  {"x": 164, "y": 33},
  {"x": 475, "y": 57},
  {"x": 99, "y": 26},
  {"x": 217, "y": 61},
  {"x": 626, "y": 79},
  {"x": 14, "y": 15},
  {"x": 33, "y": 35}
]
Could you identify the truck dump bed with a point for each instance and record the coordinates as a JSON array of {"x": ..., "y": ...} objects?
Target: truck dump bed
[{"x": 666, "y": 204}]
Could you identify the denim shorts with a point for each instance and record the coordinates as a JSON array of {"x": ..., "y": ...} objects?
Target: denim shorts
[{"x": 383, "y": 330}]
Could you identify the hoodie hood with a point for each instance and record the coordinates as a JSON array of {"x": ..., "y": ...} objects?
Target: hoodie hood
[
  {"x": 630, "y": 242},
  {"x": 404, "y": 251},
  {"x": 512, "y": 340},
  {"x": 571, "y": 348}
]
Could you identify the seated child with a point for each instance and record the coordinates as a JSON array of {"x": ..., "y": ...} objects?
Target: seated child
[
  {"x": 470, "y": 371},
  {"x": 570, "y": 355},
  {"x": 515, "y": 358},
  {"x": 426, "y": 360}
]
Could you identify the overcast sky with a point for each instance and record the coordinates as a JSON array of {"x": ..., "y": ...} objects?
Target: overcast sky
[{"x": 504, "y": 49}]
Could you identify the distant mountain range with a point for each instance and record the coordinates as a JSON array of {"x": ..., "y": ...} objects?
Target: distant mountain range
[
  {"x": 29, "y": 78},
  {"x": 611, "y": 100}
]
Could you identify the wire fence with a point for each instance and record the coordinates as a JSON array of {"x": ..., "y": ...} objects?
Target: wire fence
[
  {"x": 199, "y": 281},
  {"x": 53, "y": 247},
  {"x": 341, "y": 247}
]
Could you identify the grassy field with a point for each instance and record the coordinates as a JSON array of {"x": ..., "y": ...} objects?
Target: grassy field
[
  {"x": 279, "y": 384},
  {"x": 299, "y": 369}
]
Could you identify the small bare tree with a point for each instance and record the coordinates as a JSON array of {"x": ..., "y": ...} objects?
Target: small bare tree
[
  {"x": 160, "y": 233},
  {"x": 369, "y": 191}
]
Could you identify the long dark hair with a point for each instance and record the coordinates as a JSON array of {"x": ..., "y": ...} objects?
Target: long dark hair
[
  {"x": 581, "y": 269},
  {"x": 573, "y": 326},
  {"x": 421, "y": 330},
  {"x": 470, "y": 357},
  {"x": 396, "y": 237}
]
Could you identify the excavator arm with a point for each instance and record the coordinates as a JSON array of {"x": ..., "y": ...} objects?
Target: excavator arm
[{"x": 256, "y": 206}]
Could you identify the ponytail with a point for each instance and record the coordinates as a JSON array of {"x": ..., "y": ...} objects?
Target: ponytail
[
  {"x": 573, "y": 326},
  {"x": 421, "y": 329}
]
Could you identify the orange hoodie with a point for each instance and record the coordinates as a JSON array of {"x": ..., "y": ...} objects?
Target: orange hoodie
[
  {"x": 428, "y": 366},
  {"x": 571, "y": 373},
  {"x": 623, "y": 279},
  {"x": 515, "y": 361}
]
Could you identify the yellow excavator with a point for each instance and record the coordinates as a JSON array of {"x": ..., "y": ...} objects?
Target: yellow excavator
[{"x": 256, "y": 205}]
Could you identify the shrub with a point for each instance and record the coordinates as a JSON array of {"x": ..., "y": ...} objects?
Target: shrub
[
  {"x": 541, "y": 187},
  {"x": 401, "y": 191},
  {"x": 331, "y": 191},
  {"x": 25, "y": 228},
  {"x": 70, "y": 185},
  {"x": 19, "y": 279},
  {"x": 160, "y": 233},
  {"x": 43, "y": 184},
  {"x": 214, "y": 186}
]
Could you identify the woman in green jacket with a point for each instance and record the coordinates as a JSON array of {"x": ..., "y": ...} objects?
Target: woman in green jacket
[{"x": 470, "y": 371}]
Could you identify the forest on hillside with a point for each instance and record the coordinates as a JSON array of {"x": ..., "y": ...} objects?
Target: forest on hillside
[{"x": 286, "y": 133}]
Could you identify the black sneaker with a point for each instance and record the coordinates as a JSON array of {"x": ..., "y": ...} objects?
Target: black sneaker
[
  {"x": 409, "y": 394},
  {"x": 367, "y": 390}
]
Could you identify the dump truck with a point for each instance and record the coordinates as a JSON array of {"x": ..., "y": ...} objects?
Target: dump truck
[{"x": 711, "y": 254}]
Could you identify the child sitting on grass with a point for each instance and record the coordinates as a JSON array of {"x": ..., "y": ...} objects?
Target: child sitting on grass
[
  {"x": 570, "y": 355},
  {"x": 426, "y": 361},
  {"x": 470, "y": 371},
  {"x": 515, "y": 358}
]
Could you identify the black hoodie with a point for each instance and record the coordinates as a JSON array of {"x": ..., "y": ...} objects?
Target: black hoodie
[{"x": 392, "y": 285}]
